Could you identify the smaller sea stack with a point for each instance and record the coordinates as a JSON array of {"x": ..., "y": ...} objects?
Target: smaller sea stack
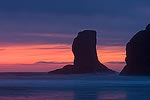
[{"x": 85, "y": 56}]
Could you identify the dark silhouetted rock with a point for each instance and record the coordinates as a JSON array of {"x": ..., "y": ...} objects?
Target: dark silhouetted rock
[
  {"x": 85, "y": 56},
  {"x": 138, "y": 54},
  {"x": 68, "y": 69}
]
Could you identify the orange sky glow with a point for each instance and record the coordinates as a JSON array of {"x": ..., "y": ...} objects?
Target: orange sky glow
[{"x": 28, "y": 57}]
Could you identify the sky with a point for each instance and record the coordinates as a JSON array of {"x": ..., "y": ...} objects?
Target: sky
[{"x": 36, "y": 35}]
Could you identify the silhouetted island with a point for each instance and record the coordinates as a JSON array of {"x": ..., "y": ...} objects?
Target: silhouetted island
[
  {"x": 85, "y": 56},
  {"x": 138, "y": 54}
]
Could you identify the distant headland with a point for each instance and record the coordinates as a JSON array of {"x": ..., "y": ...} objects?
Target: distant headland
[{"x": 138, "y": 54}]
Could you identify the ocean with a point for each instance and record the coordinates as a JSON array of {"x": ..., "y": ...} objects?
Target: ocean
[{"x": 44, "y": 86}]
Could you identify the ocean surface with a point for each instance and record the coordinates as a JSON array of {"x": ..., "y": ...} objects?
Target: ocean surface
[{"x": 44, "y": 86}]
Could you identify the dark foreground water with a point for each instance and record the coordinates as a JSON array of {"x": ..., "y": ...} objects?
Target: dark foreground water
[{"x": 42, "y": 86}]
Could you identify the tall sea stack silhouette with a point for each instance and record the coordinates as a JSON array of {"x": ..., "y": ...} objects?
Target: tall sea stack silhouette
[
  {"x": 138, "y": 54},
  {"x": 85, "y": 56}
]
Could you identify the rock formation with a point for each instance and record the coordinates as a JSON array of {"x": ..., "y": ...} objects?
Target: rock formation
[
  {"x": 85, "y": 56},
  {"x": 138, "y": 54}
]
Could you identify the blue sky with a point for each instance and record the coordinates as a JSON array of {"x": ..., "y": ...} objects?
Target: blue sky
[{"x": 21, "y": 21}]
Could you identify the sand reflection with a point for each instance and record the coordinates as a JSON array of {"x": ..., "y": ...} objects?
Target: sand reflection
[
  {"x": 51, "y": 95},
  {"x": 112, "y": 95}
]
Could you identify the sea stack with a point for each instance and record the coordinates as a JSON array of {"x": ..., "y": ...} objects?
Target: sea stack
[
  {"x": 138, "y": 54},
  {"x": 85, "y": 56}
]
